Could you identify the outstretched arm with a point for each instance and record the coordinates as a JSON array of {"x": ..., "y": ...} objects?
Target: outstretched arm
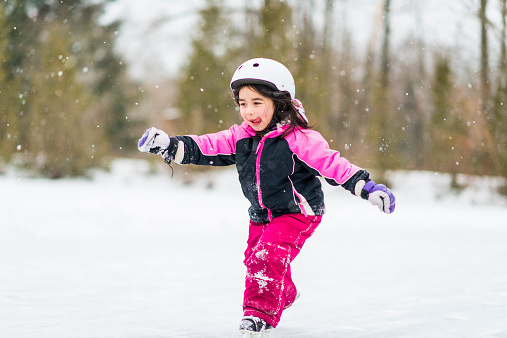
[
  {"x": 313, "y": 150},
  {"x": 216, "y": 149}
]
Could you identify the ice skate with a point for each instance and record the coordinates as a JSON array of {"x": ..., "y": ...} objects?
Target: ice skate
[{"x": 252, "y": 327}]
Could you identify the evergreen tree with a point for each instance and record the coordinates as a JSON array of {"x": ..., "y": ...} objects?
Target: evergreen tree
[
  {"x": 9, "y": 103},
  {"x": 204, "y": 100},
  {"x": 498, "y": 120},
  {"x": 383, "y": 123},
  {"x": 446, "y": 128},
  {"x": 60, "y": 61},
  {"x": 275, "y": 29}
]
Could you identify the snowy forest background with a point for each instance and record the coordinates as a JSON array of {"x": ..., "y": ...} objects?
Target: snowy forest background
[{"x": 78, "y": 88}]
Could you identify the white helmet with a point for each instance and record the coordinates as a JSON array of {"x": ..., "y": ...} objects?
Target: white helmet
[{"x": 267, "y": 72}]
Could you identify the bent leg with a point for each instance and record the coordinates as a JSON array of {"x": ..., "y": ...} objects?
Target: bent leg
[{"x": 269, "y": 286}]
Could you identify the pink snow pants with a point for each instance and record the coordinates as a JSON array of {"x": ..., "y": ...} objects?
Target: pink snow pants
[{"x": 271, "y": 248}]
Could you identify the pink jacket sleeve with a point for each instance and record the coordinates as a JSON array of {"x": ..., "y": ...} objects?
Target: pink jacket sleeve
[
  {"x": 313, "y": 150},
  {"x": 218, "y": 149}
]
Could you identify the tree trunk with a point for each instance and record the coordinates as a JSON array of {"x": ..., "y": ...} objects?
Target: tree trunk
[
  {"x": 385, "y": 44},
  {"x": 485, "y": 87}
]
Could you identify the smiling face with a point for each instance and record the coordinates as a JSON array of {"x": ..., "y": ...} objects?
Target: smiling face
[{"x": 255, "y": 109}]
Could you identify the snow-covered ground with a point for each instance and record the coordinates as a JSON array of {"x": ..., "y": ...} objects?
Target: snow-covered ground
[{"x": 134, "y": 253}]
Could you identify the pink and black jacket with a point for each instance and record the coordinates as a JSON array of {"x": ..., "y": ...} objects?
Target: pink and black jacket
[{"x": 277, "y": 175}]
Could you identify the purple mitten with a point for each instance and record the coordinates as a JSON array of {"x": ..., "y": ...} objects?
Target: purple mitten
[{"x": 381, "y": 196}]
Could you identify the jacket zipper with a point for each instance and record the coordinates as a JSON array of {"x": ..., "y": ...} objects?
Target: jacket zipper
[{"x": 258, "y": 152}]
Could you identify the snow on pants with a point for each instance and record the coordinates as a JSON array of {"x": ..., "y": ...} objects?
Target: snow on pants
[{"x": 271, "y": 248}]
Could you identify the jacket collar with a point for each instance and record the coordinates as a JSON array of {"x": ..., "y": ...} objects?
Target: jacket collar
[{"x": 280, "y": 128}]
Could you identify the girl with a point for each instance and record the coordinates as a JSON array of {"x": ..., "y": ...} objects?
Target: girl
[{"x": 279, "y": 159}]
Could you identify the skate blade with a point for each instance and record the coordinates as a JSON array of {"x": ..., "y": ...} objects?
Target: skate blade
[{"x": 250, "y": 334}]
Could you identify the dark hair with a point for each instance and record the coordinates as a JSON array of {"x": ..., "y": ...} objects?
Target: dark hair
[{"x": 284, "y": 108}]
